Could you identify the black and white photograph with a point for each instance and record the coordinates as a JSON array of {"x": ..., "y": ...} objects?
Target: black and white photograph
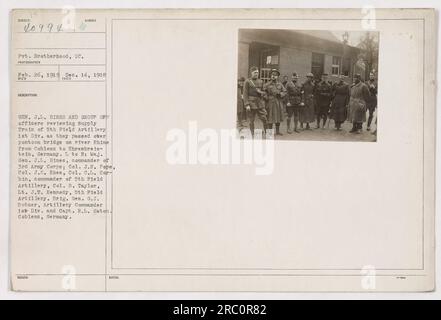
[{"x": 308, "y": 84}]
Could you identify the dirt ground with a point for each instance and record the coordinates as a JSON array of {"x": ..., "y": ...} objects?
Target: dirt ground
[{"x": 324, "y": 134}]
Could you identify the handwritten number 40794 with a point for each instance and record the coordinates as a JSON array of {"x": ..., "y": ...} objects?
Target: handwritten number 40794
[{"x": 47, "y": 27}]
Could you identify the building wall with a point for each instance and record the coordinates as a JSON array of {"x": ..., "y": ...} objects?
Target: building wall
[
  {"x": 292, "y": 58},
  {"x": 295, "y": 60},
  {"x": 299, "y": 60},
  {"x": 243, "y": 62}
]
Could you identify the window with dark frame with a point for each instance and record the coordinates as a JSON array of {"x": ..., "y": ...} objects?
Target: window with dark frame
[
  {"x": 346, "y": 67},
  {"x": 336, "y": 65}
]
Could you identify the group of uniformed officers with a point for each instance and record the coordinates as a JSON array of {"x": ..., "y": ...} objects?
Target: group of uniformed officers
[{"x": 315, "y": 100}]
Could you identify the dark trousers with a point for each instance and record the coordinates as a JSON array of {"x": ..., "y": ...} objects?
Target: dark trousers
[
  {"x": 261, "y": 113},
  {"x": 356, "y": 126},
  {"x": 371, "y": 116}
]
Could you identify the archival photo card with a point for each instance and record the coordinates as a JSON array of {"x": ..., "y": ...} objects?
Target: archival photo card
[{"x": 271, "y": 150}]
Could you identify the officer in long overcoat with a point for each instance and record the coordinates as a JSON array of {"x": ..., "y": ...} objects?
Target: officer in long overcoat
[
  {"x": 307, "y": 113},
  {"x": 357, "y": 104},
  {"x": 275, "y": 94},
  {"x": 339, "y": 103}
]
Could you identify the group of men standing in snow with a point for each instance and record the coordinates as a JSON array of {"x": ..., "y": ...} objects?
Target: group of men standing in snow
[{"x": 303, "y": 104}]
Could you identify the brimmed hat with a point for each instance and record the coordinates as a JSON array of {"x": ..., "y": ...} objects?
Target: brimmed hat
[
  {"x": 309, "y": 75},
  {"x": 275, "y": 71}
]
